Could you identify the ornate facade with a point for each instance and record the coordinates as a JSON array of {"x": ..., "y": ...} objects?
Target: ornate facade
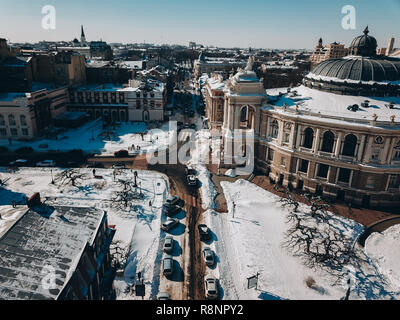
[{"x": 340, "y": 146}]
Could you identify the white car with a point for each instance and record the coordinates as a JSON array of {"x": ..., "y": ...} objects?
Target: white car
[
  {"x": 18, "y": 163},
  {"x": 211, "y": 288},
  {"x": 46, "y": 163}
]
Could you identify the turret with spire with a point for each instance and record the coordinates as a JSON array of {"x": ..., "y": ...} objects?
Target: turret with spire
[{"x": 83, "y": 38}]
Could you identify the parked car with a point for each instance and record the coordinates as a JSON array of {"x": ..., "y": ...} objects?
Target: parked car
[
  {"x": 168, "y": 244},
  {"x": 169, "y": 224},
  {"x": 172, "y": 210},
  {"x": 191, "y": 180},
  {"x": 118, "y": 165},
  {"x": 18, "y": 163},
  {"x": 163, "y": 296},
  {"x": 211, "y": 286},
  {"x": 204, "y": 232},
  {"x": 46, "y": 163},
  {"x": 174, "y": 201},
  {"x": 208, "y": 255},
  {"x": 168, "y": 265},
  {"x": 121, "y": 153},
  {"x": 190, "y": 172}
]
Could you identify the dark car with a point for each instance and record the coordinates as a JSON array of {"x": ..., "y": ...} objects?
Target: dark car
[
  {"x": 190, "y": 172},
  {"x": 172, "y": 210},
  {"x": 191, "y": 180},
  {"x": 121, "y": 153},
  {"x": 204, "y": 232}
]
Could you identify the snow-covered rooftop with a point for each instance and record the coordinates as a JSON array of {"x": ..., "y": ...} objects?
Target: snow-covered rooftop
[
  {"x": 319, "y": 103},
  {"x": 53, "y": 237}
]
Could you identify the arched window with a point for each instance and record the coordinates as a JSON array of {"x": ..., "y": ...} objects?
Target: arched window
[
  {"x": 22, "y": 118},
  {"x": 308, "y": 138},
  {"x": 2, "y": 121},
  {"x": 243, "y": 114},
  {"x": 11, "y": 120},
  {"x": 328, "y": 141},
  {"x": 114, "y": 115},
  {"x": 274, "y": 129},
  {"x": 349, "y": 146}
]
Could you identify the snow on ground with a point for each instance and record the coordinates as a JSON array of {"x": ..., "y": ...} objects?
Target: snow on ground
[
  {"x": 92, "y": 138},
  {"x": 383, "y": 249},
  {"x": 138, "y": 227},
  {"x": 249, "y": 239}
]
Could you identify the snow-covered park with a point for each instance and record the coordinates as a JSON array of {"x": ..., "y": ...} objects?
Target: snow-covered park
[
  {"x": 249, "y": 240},
  {"x": 92, "y": 138},
  {"x": 138, "y": 225}
]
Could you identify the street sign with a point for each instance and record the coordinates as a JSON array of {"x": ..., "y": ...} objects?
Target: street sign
[
  {"x": 140, "y": 289},
  {"x": 252, "y": 282}
]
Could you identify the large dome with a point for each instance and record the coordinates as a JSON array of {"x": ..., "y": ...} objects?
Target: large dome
[
  {"x": 375, "y": 69},
  {"x": 364, "y": 45},
  {"x": 363, "y": 72}
]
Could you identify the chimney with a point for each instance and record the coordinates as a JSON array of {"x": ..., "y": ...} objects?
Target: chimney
[{"x": 389, "y": 48}]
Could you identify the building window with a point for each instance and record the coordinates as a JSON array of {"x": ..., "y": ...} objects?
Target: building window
[
  {"x": 11, "y": 120},
  {"x": 23, "y": 120},
  {"x": 274, "y": 129},
  {"x": 137, "y": 94},
  {"x": 2, "y": 121},
  {"x": 308, "y": 138},
  {"x": 121, "y": 97},
  {"x": 283, "y": 162},
  {"x": 322, "y": 171},
  {"x": 14, "y": 132},
  {"x": 152, "y": 95},
  {"x": 396, "y": 156},
  {"x": 138, "y": 104},
  {"x": 25, "y": 131},
  {"x": 3, "y": 132},
  {"x": 270, "y": 155},
  {"x": 349, "y": 146},
  {"x": 370, "y": 182},
  {"x": 344, "y": 175},
  {"x": 394, "y": 181},
  {"x": 286, "y": 137},
  {"x": 375, "y": 155},
  {"x": 328, "y": 141},
  {"x": 303, "y": 166}
]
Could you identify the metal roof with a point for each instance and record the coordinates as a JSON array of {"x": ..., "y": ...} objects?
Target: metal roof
[{"x": 52, "y": 238}]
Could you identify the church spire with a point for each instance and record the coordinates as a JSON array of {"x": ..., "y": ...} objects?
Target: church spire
[{"x": 83, "y": 38}]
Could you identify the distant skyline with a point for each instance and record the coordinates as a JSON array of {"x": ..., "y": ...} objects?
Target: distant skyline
[{"x": 234, "y": 23}]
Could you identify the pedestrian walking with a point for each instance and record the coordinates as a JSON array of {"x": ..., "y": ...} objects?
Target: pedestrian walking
[
  {"x": 14, "y": 204},
  {"x": 94, "y": 172}
]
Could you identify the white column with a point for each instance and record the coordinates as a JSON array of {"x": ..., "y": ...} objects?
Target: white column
[
  {"x": 390, "y": 151},
  {"x": 292, "y": 137},
  {"x": 368, "y": 150},
  {"x": 316, "y": 140},
  {"x": 338, "y": 144},
  {"x": 361, "y": 148},
  {"x": 298, "y": 137},
  {"x": 385, "y": 150}
]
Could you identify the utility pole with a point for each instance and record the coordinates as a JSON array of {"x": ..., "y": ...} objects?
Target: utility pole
[{"x": 234, "y": 208}]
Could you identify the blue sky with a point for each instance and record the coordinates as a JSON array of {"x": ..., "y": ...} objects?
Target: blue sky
[{"x": 255, "y": 23}]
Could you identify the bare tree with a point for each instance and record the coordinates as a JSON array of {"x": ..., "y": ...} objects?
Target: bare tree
[
  {"x": 71, "y": 177},
  {"x": 119, "y": 254},
  {"x": 318, "y": 245},
  {"x": 289, "y": 201},
  {"x": 126, "y": 195}
]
